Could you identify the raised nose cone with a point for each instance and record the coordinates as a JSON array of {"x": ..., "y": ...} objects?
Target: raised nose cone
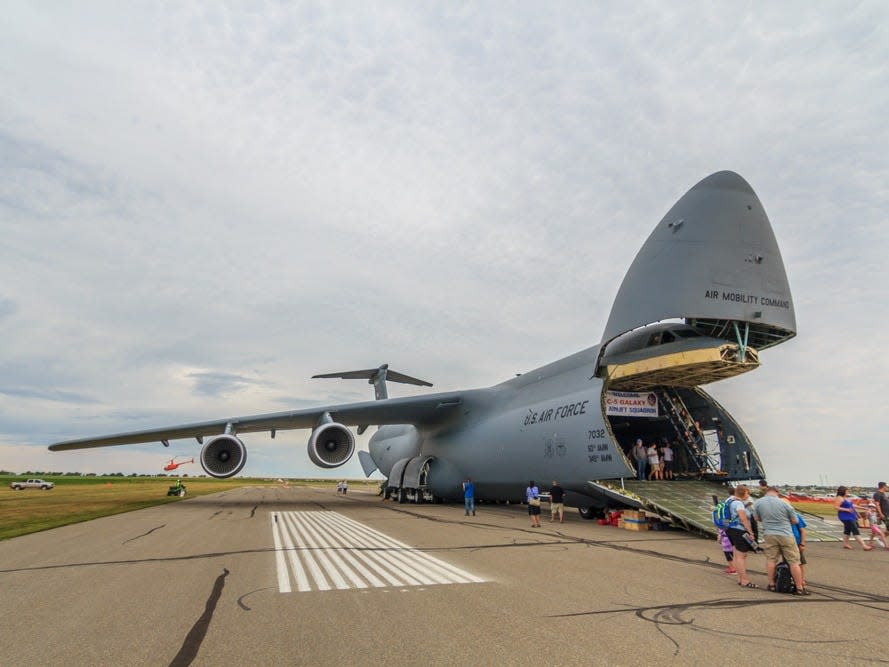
[
  {"x": 713, "y": 259},
  {"x": 725, "y": 180}
]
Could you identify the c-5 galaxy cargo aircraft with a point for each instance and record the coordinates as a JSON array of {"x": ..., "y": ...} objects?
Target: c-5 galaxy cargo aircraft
[{"x": 704, "y": 296}]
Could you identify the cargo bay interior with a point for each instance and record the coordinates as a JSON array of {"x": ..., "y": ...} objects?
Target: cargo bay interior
[{"x": 670, "y": 360}]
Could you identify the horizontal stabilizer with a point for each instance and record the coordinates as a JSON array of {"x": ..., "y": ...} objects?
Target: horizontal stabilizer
[
  {"x": 369, "y": 374},
  {"x": 377, "y": 377}
]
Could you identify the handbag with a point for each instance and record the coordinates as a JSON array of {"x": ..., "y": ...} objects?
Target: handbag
[{"x": 534, "y": 502}]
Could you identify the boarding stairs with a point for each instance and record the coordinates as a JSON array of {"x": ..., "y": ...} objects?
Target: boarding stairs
[
  {"x": 688, "y": 504},
  {"x": 688, "y": 431}
]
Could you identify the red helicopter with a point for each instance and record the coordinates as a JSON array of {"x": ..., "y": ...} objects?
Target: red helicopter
[{"x": 172, "y": 465}]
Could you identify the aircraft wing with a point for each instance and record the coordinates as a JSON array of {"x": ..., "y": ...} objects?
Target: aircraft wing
[{"x": 428, "y": 409}]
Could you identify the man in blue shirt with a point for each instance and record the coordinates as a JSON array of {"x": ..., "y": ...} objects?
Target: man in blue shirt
[{"x": 469, "y": 496}]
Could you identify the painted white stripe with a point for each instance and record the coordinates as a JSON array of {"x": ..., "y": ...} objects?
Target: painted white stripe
[
  {"x": 347, "y": 552},
  {"x": 386, "y": 565},
  {"x": 306, "y": 553},
  {"x": 336, "y": 548},
  {"x": 280, "y": 561},
  {"x": 417, "y": 560},
  {"x": 395, "y": 554},
  {"x": 302, "y": 581},
  {"x": 422, "y": 556},
  {"x": 320, "y": 554},
  {"x": 336, "y": 556}
]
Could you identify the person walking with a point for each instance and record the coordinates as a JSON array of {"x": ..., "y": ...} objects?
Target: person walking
[
  {"x": 776, "y": 518},
  {"x": 882, "y": 502},
  {"x": 876, "y": 531},
  {"x": 641, "y": 457},
  {"x": 469, "y": 496},
  {"x": 532, "y": 496},
  {"x": 849, "y": 516},
  {"x": 557, "y": 502}
]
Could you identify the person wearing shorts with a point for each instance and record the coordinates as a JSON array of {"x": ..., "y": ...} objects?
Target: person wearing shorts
[
  {"x": 799, "y": 534},
  {"x": 738, "y": 532},
  {"x": 849, "y": 516},
  {"x": 557, "y": 502},
  {"x": 777, "y": 518},
  {"x": 668, "y": 461},
  {"x": 882, "y": 502}
]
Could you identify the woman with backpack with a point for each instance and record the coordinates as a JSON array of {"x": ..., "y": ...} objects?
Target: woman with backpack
[{"x": 740, "y": 533}]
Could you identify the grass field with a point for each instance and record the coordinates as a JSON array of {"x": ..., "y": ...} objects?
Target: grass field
[
  {"x": 821, "y": 509},
  {"x": 76, "y": 499}
]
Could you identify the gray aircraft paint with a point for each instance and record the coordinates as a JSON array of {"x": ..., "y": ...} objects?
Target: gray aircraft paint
[{"x": 713, "y": 256}]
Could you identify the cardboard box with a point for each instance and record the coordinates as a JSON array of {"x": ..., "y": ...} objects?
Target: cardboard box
[{"x": 636, "y": 525}]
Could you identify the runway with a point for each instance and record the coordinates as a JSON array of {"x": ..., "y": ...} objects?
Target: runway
[{"x": 302, "y": 576}]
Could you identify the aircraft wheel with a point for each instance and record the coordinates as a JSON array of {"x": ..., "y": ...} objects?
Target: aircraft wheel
[{"x": 587, "y": 512}]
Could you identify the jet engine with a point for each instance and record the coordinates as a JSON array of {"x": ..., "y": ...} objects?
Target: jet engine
[
  {"x": 223, "y": 456},
  {"x": 331, "y": 445}
]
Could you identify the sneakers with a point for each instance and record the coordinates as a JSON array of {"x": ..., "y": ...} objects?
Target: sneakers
[{"x": 801, "y": 592}]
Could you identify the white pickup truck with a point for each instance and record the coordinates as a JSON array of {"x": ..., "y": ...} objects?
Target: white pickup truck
[{"x": 31, "y": 484}]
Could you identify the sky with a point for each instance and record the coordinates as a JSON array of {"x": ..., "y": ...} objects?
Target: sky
[{"x": 202, "y": 204}]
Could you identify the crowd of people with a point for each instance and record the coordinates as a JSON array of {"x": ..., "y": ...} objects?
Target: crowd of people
[
  {"x": 654, "y": 461},
  {"x": 772, "y": 522}
]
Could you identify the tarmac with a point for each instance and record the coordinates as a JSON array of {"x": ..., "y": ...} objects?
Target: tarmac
[{"x": 304, "y": 576}]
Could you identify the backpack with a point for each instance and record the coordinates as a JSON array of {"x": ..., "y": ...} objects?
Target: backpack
[
  {"x": 722, "y": 513},
  {"x": 783, "y": 578}
]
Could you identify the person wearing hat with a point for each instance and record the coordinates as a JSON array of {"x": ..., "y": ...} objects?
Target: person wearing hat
[{"x": 882, "y": 503}]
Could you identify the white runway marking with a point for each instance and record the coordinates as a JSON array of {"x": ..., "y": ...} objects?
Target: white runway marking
[{"x": 326, "y": 550}]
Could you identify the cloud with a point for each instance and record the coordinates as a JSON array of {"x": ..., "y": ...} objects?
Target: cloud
[{"x": 203, "y": 205}]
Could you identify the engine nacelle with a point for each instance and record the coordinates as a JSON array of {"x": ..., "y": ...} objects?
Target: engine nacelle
[
  {"x": 331, "y": 445},
  {"x": 223, "y": 456}
]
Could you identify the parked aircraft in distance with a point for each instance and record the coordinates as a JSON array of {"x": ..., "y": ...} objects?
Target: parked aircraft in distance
[{"x": 705, "y": 295}]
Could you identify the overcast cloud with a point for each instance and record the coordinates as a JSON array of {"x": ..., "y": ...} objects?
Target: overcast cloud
[{"x": 202, "y": 205}]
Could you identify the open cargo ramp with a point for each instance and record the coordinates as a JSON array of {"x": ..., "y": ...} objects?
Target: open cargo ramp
[{"x": 689, "y": 504}]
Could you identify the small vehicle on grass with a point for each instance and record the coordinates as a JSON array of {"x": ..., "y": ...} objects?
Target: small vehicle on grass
[
  {"x": 176, "y": 490},
  {"x": 20, "y": 485}
]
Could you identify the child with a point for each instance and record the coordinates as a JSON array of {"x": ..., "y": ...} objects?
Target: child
[
  {"x": 727, "y": 549},
  {"x": 876, "y": 532}
]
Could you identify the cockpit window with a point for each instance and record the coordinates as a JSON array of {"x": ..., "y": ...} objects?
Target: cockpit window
[
  {"x": 660, "y": 338},
  {"x": 687, "y": 333}
]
